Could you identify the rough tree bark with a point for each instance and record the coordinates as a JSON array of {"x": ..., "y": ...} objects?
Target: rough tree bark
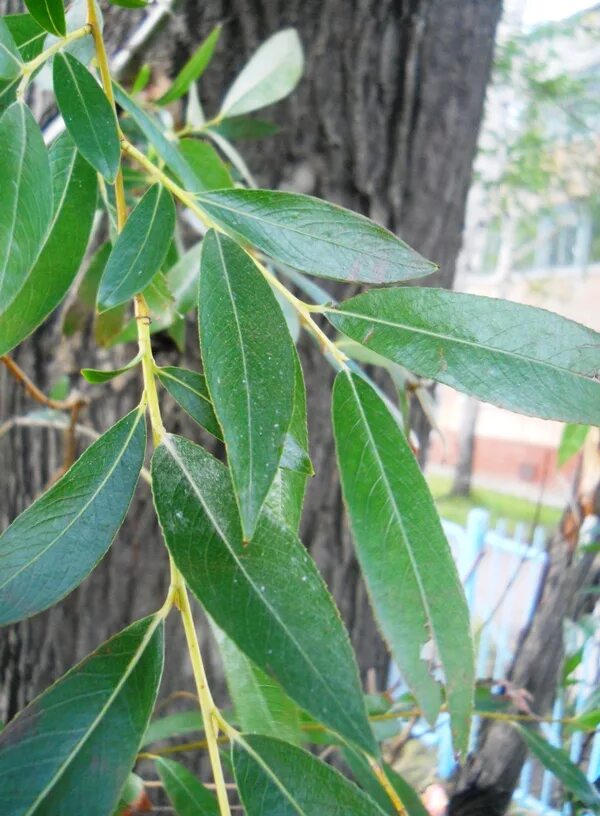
[{"x": 385, "y": 122}]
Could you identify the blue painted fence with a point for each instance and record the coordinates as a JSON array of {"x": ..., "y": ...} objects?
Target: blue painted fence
[{"x": 501, "y": 576}]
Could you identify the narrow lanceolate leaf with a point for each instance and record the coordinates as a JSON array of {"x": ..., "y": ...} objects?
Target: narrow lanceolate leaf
[
  {"x": 173, "y": 725},
  {"x": 51, "y": 271},
  {"x": 186, "y": 793},
  {"x": 286, "y": 496},
  {"x": 271, "y": 73},
  {"x": 50, "y": 14},
  {"x": 71, "y": 750},
  {"x": 51, "y": 547},
  {"x": 268, "y": 596},
  {"x": 88, "y": 115},
  {"x": 139, "y": 250},
  {"x": 10, "y": 60},
  {"x": 207, "y": 165},
  {"x": 365, "y": 777},
  {"x": 193, "y": 69},
  {"x": 99, "y": 375},
  {"x": 314, "y": 236},
  {"x": 26, "y": 198},
  {"x": 275, "y": 777},
  {"x": 260, "y": 704},
  {"x": 571, "y": 442},
  {"x": 249, "y": 364},
  {"x": 408, "y": 567},
  {"x": 189, "y": 389},
  {"x": 518, "y": 357},
  {"x": 557, "y": 761}
]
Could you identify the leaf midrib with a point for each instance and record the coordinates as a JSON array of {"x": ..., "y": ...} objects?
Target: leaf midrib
[
  {"x": 17, "y": 199},
  {"x": 89, "y": 732},
  {"x": 171, "y": 448},
  {"x": 459, "y": 341},
  {"x": 93, "y": 497}
]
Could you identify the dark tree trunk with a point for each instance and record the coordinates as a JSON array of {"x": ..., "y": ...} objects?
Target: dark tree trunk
[{"x": 385, "y": 121}]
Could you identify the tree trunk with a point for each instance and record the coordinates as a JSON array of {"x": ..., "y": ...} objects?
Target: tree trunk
[
  {"x": 463, "y": 473},
  {"x": 385, "y": 121},
  {"x": 484, "y": 787}
]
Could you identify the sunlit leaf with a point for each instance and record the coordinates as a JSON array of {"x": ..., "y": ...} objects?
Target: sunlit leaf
[
  {"x": 51, "y": 547},
  {"x": 314, "y": 236},
  {"x": 404, "y": 556},
  {"x": 75, "y": 744},
  {"x": 268, "y": 596},
  {"x": 207, "y": 165},
  {"x": 249, "y": 366},
  {"x": 271, "y": 74},
  {"x": 87, "y": 113},
  {"x": 517, "y": 357}
]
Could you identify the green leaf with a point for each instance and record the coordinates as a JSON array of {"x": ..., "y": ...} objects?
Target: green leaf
[
  {"x": 410, "y": 573},
  {"x": 557, "y": 761},
  {"x": 518, "y": 357},
  {"x": 366, "y": 779},
  {"x": 209, "y": 168},
  {"x": 154, "y": 133},
  {"x": 193, "y": 69},
  {"x": 173, "y": 725},
  {"x": 186, "y": 793},
  {"x": 52, "y": 269},
  {"x": 131, "y": 4},
  {"x": 268, "y": 597},
  {"x": 314, "y": 236},
  {"x": 275, "y": 777},
  {"x": 139, "y": 250},
  {"x": 244, "y": 127},
  {"x": 260, "y": 704},
  {"x": 26, "y": 200},
  {"x": 10, "y": 59},
  {"x": 286, "y": 496},
  {"x": 75, "y": 744},
  {"x": 189, "y": 390},
  {"x": 27, "y": 34},
  {"x": 51, "y": 547},
  {"x": 183, "y": 277},
  {"x": 50, "y": 14},
  {"x": 142, "y": 79},
  {"x": 98, "y": 375},
  {"x": 249, "y": 365},
  {"x": 271, "y": 74},
  {"x": 571, "y": 442},
  {"x": 87, "y": 113}
]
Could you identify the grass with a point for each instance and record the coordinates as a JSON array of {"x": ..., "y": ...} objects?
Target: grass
[{"x": 499, "y": 505}]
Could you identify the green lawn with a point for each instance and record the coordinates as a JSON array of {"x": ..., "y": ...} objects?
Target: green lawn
[{"x": 500, "y": 505}]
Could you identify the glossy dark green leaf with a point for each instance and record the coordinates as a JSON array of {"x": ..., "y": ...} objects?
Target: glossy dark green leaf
[
  {"x": 173, "y": 725},
  {"x": 272, "y": 73},
  {"x": 186, "y": 793},
  {"x": 249, "y": 365},
  {"x": 210, "y": 170},
  {"x": 193, "y": 68},
  {"x": 51, "y": 547},
  {"x": 139, "y": 250},
  {"x": 314, "y": 236},
  {"x": 277, "y": 778},
  {"x": 406, "y": 562},
  {"x": 154, "y": 133},
  {"x": 50, "y": 14},
  {"x": 189, "y": 389},
  {"x": 365, "y": 777},
  {"x": 26, "y": 198},
  {"x": 268, "y": 596},
  {"x": 557, "y": 761},
  {"x": 286, "y": 496},
  {"x": 99, "y": 375},
  {"x": 10, "y": 59},
  {"x": 51, "y": 271},
  {"x": 518, "y": 357},
  {"x": 71, "y": 749},
  {"x": 260, "y": 704},
  {"x": 571, "y": 442},
  {"x": 87, "y": 113},
  {"x": 28, "y": 34}
]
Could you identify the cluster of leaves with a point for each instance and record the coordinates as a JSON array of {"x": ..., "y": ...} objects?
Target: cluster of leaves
[{"x": 231, "y": 530}]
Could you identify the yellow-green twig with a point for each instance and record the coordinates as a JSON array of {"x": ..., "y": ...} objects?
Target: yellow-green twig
[{"x": 29, "y": 68}]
